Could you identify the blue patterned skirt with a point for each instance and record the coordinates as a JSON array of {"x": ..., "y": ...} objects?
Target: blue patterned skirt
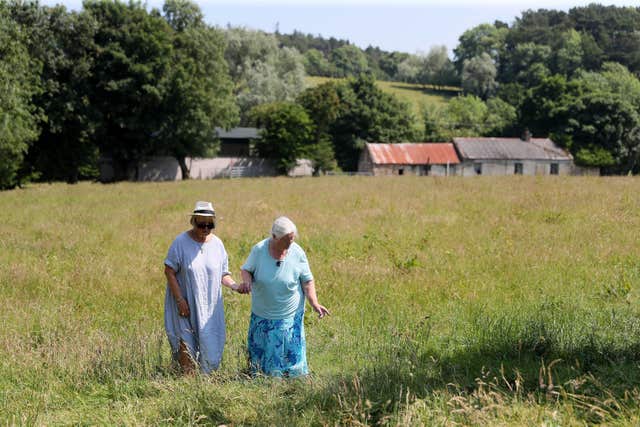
[{"x": 278, "y": 347}]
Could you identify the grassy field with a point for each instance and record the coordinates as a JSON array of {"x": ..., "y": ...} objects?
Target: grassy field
[
  {"x": 477, "y": 301},
  {"x": 415, "y": 95}
]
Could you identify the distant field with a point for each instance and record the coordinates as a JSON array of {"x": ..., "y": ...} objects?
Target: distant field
[
  {"x": 416, "y": 95},
  {"x": 455, "y": 301}
]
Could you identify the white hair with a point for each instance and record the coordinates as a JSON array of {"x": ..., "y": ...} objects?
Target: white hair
[{"x": 283, "y": 226}]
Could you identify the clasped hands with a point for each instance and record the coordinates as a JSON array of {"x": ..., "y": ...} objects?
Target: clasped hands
[{"x": 243, "y": 288}]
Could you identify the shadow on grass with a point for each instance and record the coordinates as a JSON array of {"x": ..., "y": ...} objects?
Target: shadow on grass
[{"x": 598, "y": 377}]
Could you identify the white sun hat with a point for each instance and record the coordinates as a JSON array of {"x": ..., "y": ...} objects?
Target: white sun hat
[
  {"x": 203, "y": 209},
  {"x": 283, "y": 226}
]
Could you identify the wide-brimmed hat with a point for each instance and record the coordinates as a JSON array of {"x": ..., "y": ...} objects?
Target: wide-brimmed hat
[{"x": 203, "y": 209}]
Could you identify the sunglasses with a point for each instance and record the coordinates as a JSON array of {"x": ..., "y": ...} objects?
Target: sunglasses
[{"x": 203, "y": 225}]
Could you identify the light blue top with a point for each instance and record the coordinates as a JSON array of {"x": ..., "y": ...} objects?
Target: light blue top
[
  {"x": 199, "y": 269},
  {"x": 276, "y": 292}
]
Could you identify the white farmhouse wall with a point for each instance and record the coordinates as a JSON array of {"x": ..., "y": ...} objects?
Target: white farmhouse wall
[
  {"x": 444, "y": 170},
  {"x": 225, "y": 167},
  {"x": 163, "y": 168},
  {"x": 420, "y": 170},
  {"x": 159, "y": 169},
  {"x": 507, "y": 167},
  {"x": 304, "y": 167}
]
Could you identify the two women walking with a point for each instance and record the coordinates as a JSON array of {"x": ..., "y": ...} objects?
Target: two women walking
[{"x": 276, "y": 274}]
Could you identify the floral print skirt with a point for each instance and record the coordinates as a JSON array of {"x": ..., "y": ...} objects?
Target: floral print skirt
[{"x": 278, "y": 347}]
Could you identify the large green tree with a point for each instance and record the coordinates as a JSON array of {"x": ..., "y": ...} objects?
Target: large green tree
[
  {"x": 183, "y": 14},
  {"x": 348, "y": 60},
  {"x": 563, "y": 43},
  {"x": 315, "y": 63},
  {"x": 431, "y": 68},
  {"x": 613, "y": 34},
  {"x": 132, "y": 60},
  {"x": 479, "y": 76},
  {"x": 607, "y": 117},
  {"x": 483, "y": 39},
  {"x": 466, "y": 115},
  {"x": 62, "y": 43},
  {"x": 323, "y": 105},
  {"x": 262, "y": 72},
  {"x": 384, "y": 64},
  {"x": 198, "y": 94},
  {"x": 18, "y": 84},
  {"x": 528, "y": 63},
  {"x": 367, "y": 114},
  {"x": 569, "y": 57},
  {"x": 286, "y": 131},
  {"x": 594, "y": 115},
  {"x": 469, "y": 116}
]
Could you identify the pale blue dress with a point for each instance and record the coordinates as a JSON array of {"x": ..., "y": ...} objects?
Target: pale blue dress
[{"x": 199, "y": 269}]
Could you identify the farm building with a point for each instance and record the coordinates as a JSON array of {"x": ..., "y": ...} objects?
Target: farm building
[
  {"x": 233, "y": 160},
  {"x": 236, "y": 142},
  {"x": 163, "y": 168},
  {"x": 437, "y": 159},
  {"x": 515, "y": 156}
]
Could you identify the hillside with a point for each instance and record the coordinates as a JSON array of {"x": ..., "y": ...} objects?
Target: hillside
[{"x": 416, "y": 95}]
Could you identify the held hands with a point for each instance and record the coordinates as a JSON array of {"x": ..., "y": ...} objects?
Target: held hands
[
  {"x": 321, "y": 310},
  {"x": 244, "y": 288}
]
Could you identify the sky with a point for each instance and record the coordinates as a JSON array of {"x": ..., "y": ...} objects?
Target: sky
[{"x": 402, "y": 25}]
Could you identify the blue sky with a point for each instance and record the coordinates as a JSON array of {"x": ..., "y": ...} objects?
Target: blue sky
[{"x": 402, "y": 25}]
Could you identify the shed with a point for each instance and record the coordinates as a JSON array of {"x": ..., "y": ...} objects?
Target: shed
[
  {"x": 236, "y": 142},
  {"x": 515, "y": 156},
  {"x": 420, "y": 158}
]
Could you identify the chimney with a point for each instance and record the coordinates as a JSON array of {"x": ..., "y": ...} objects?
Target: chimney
[{"x": 526, "y": 135}]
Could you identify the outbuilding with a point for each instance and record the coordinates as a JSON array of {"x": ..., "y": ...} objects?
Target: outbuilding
[
  {"x": 515, "y": 156},
  {"x": 236, "y": 142},
  {"x": 420, "y": 158}
]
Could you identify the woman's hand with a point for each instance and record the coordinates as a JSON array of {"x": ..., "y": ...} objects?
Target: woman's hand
[
  {"x": 321, "y": 310},
  {"x": 244, "y": 288},
  {"x": 183, "y": 308}
]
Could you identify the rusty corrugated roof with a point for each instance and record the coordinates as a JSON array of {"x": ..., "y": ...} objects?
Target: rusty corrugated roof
[
  {"x": 509, "y": 149},
  {"x": 419, "y": 153}
]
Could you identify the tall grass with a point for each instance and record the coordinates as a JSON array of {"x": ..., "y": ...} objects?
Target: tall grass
[{"x": 504, "y": 301}]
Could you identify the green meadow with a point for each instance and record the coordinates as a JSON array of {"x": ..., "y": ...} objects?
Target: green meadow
[{"x": 454, "y": 301}]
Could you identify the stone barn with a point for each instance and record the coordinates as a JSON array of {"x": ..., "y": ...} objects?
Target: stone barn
[
  {"x": 515, "y": 156},
  {"x": 424, "y": 158}
]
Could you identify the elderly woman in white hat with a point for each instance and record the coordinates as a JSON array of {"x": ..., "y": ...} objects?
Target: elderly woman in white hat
[
  {"x": 196, "y": 266},
  {"x": 278, "y": 276}
]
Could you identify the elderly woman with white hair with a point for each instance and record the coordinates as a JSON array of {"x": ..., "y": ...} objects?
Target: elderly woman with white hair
[
  {"x": 196, "y": 267},
  {"x": 278, "y": 276}
]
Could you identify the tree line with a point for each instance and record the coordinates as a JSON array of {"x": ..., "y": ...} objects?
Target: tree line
[
  {"x": 117, "y": 80},
  {"x": 113, "y": 79},
  {"x": 572, "y": 76}
]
